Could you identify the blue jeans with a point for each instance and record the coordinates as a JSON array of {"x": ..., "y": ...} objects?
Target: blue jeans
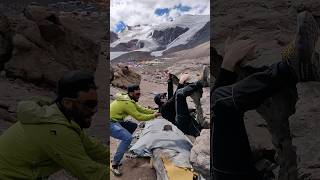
[{"x": 122, "y": 131}]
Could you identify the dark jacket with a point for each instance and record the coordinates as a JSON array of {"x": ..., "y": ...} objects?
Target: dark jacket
[
  {"x": 167, "y": 109},
  {"x": 44, "y": 141}
]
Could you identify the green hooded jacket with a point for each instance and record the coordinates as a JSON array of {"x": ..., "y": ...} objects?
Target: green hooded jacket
[
  {"x": 43, "y": 141},
  {"x": 123, "y": 106}
]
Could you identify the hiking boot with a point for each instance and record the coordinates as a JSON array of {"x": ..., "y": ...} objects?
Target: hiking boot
[
  {"x": 116, "y": 170},
  {"x": 204, "y": 78},
  {"x": 298, "y": 54}
]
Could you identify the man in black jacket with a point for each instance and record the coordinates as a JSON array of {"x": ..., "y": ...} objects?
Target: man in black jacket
[
  {"x": 175, "y": 108},
  {"x": 231, "y": 156}
]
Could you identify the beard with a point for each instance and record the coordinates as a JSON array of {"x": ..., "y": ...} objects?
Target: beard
[
  {"x": 136, "y": 100},
  {"x": 83, "y": 120}
]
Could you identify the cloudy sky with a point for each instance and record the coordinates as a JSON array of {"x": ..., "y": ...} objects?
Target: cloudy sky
[{"x": 133, "y": 12}]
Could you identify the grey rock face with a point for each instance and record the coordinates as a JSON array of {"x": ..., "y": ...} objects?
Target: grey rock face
[
  {"x": 113, "y": 37},
  {"x": 43, "y": 49},
  {"x": 166, "y": 36},
  {"x": 200, "y": 37},
  {"x": 123, "y": 77},
  {"x": 200, "y": 154}
]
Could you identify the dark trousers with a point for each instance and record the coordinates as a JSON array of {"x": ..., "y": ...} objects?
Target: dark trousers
[
  {"x": 129, "y": 126},
  {"x": 231, "y": 153},
  {"x": 184, "y": 121}
]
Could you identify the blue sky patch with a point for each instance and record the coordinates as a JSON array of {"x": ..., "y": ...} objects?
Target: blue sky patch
[
  {"x": 165, "y": 11},
  {"x": 119, "y": 27},
  {"x": 182, "y": 8},
  {"x": 161, "y": 11}
]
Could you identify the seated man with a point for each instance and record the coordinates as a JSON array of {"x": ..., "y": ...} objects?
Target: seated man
[
  {"x": 175, "y": 107},
  {"x": 232, "y": 158},
  {"x": 126, "y": 105},
  {"x": 49, "y": 135}
]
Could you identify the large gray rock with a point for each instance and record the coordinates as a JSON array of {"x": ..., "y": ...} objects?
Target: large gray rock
[
  {"x": 40, "y": 13},
  {"x": 44, "y": 49},
  {"x": 22, "y": 43},
  {"x": 124, "y": 76},
  {"x": 31, "y": 31},
  {"x": 200, "y": 154}
]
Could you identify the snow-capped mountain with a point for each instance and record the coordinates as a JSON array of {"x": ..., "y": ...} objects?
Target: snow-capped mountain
[{"x": 184, "y": 32}]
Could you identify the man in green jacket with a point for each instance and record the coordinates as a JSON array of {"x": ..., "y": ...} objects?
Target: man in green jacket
[
  {"x": 126, "y": 105},
  {"x": 49, "y": 135}
]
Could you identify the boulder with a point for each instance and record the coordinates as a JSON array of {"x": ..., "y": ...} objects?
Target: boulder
[
  {"x": 21, "y": 43},
  {"x": 200, "y": 154},
  {"x": 39, "y": 13},
  {"x": 124, "y": 76},
  {"x": 31, "y": 31},
  {"x": 36, "y": 66},
  {"x": 43, "y": 49}
]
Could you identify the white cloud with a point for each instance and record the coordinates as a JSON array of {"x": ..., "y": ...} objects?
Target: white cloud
[{"x": 134, "y": 12}]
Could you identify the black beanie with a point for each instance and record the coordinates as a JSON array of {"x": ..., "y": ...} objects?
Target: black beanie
[{"x": 157, "y": 99}]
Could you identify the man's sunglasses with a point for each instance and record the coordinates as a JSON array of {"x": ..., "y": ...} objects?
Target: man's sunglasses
[{"x": 89, "y": 104}]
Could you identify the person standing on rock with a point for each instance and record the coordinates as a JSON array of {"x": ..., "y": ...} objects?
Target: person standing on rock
[
  {"x": 231, "y": 155},
  {"x": 49, "y": 135},
  {"x": 125, "y": 105},
  {"x": 175, "y": 108}
]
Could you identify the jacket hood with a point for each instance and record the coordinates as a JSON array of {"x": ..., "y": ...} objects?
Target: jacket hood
[
  {"x": 41, "y": 110},
  {"x": 123, "y": 97}
]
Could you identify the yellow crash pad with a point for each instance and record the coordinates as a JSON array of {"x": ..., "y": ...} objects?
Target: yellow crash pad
[{"x": 177, "y": 173}]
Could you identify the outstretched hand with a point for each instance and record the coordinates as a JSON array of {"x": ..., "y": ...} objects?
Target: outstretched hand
[
  {"x": 236, "y": 52},
  {"x": 168, "y": 75},
  {"x": 157, "y": 114}
]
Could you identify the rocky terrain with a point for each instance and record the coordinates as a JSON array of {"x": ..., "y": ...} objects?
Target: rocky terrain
[
  {"x": 39, "y": 43},
  {"x": 272, "y": 24},
  {"x": 153, "y": 80}
]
